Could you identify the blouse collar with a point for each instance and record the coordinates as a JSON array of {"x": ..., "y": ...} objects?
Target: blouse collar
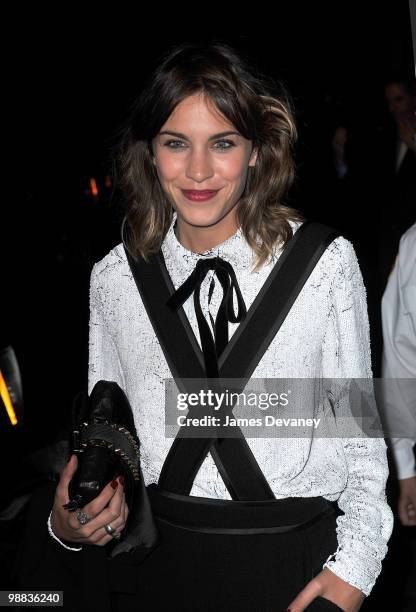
[{"x": 235, "y": 249}]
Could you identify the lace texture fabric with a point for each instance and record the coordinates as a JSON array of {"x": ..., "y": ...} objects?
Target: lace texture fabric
[{"x": 326, "y": 334}]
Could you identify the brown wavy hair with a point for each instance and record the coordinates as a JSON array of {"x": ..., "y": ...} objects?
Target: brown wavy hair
[{"x": 258, "y": 107}]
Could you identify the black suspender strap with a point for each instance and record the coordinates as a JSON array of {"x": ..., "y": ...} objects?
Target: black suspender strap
[{"x": 233, "y": 457}]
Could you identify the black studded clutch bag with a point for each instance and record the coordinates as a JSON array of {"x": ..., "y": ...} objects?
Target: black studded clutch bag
[{"x": 105, "y": 440}]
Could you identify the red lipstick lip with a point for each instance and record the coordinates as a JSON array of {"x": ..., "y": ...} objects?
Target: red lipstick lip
[
  {"x": 199, "y": 191},
  {"x": 199, "y": 195}
]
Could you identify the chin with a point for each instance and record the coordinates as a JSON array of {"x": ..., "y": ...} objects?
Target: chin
[{"x": 200, "y": 215}]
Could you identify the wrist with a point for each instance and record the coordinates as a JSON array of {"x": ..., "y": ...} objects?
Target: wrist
[
  {"x": 64, "y": 543},
  {"x": 407, "y": 483}
]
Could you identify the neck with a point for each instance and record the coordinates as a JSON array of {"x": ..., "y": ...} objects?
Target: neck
[{"x": 199, "y": 239}]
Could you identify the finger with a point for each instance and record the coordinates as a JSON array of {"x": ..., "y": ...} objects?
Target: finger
[
  {"x": 406, "y": 519},
  {"x": 305, "y": 597},
  {"x": 123, "y": 508},
  {"x": 402, "y": 511},
  {"x": 65, "y": 478},
  {"x": 402, "y": 515},
  {"x": 97, "y": 505},
  {"x": 107, "y": 514},
  {"x": 101, "y": 537},
  {"x": 94, "y": 507},
  {"x": 115, "y": 507},
  {"x": 104, "y": 540},
  {"x": 411, "y": 514}
]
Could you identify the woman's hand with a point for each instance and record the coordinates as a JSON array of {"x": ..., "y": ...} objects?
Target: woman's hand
[
  {"x": 407, "y": 133},
  {"x": 407, "y": 501},
  {"x": 326, "y": 584},
  {"x": 65, "y": 524}
]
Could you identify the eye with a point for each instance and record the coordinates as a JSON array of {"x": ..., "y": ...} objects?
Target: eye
[
  {"x": 227, "y": 142},
  {"x": 168, "y": 144},
  {"x": 171, "y": 144}
]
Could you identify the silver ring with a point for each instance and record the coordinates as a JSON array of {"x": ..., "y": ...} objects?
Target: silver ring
[
  {"x": 112, "y": 532},
  {"x": 109, "y": 529},
  {"x": 83, "y": 518}
]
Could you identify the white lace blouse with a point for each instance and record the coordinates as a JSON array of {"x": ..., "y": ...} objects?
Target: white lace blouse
[{"x": 326, "y": 334}]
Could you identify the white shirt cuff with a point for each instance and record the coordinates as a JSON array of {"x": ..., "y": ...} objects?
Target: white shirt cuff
[{"x": 404, "y": 457}]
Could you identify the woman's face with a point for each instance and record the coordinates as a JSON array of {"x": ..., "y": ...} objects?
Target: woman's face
[{"x": 197, "y": 155}]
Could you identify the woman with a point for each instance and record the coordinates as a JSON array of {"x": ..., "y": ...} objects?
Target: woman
[{"x": 206, "y": 162}]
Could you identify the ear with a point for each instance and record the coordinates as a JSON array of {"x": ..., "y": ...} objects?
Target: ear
[
  {"x": 253, "y": 157},
  {"x": 151, "y": 153}
]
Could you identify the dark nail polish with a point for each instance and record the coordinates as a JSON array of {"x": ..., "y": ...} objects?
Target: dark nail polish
[
  {"x": 69, "y": 459},
  {"x": 121, "y": 479},
  {"x": 114, "y": 484}
]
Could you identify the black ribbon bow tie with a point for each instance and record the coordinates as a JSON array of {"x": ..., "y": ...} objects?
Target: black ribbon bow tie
[{"x": 228, "y": 280}]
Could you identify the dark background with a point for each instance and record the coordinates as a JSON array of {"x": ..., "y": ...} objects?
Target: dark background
[{"x": 68, "y": 84}]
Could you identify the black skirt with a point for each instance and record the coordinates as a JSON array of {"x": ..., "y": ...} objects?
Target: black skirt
[
  {"x": 213, "y": 554},
  {"x": 227, "y": 555}
]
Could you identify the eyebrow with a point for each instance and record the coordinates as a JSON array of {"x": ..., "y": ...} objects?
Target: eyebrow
[{"x": 179, "y": 135}]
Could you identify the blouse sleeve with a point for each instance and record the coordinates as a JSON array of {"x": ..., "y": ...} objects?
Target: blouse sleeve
[
  {"x": 366, "y": 524},
  {"x": 103, "y": 359}
]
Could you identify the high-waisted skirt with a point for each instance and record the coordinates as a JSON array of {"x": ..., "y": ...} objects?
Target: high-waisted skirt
[{"x": 226, "y": 555}]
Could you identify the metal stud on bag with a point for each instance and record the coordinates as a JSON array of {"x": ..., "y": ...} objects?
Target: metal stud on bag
[{"x": 102, "y": 422}]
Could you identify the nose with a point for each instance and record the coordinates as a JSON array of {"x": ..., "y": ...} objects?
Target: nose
[{"x": 199, "y": 166}]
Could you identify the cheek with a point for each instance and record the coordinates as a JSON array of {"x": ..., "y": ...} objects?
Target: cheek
[
  {"x": 169, "y": 167},
  {"x": 234, "y": 168}
]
